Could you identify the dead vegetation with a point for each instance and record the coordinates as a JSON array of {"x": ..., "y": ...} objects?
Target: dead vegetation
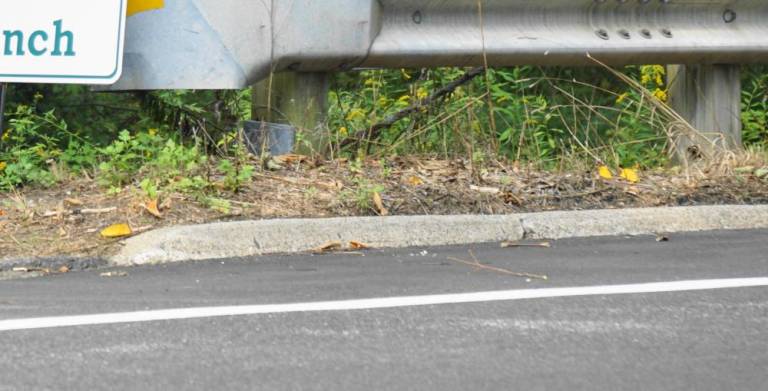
[{"x": 71, "y": 218}]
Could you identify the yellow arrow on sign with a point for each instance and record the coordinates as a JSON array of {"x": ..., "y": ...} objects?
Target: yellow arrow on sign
[{"x": 137, "y": 6}]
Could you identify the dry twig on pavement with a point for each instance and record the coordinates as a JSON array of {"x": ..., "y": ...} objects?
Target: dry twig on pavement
[{"x": 479, "y": 265}]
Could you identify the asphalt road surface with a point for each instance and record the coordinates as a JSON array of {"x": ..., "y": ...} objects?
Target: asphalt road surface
[{"x": 642, "y": 315}]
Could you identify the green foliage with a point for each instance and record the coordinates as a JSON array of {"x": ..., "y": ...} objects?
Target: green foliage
[
  {"x": 362, "y": 193},
  {"x": 203, "y": 115},
  {"x": 30, "y": 145},
  {"x": 123, "y": 158},
  {"x": 755, "y": 106},
  {"x": 235, "y": 173},
  {"x": 161, "y": 163},
  {"x": 27, "y": 166},
  {"x": 533, "y": 114},
  {"x": 166, "y": 140},
  {"x": 150, "y": 189},
  {"x": 166, "y": 147}
]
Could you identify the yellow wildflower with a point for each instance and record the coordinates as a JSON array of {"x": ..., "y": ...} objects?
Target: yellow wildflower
[
  {"x": 355, "y": 114},
  {"x": 343, "y": 131},
  {"x": 371, "y": 82},
  {"x": 422, "y": 93},
  {"x": 653, "y": 73},
  {"x": 621, "y": 98},
  {"x": 661, "y": 95},
  {"x": 3, "y": 165}
]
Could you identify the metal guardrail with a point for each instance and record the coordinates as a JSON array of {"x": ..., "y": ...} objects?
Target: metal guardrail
[{"x": 234, "y": 43}]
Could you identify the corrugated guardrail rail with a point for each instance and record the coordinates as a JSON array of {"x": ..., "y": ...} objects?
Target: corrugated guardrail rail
[{"x": 233, "y": 43}]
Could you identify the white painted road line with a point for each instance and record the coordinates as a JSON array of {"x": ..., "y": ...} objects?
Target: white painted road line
[{"x": 378, "y": 303}]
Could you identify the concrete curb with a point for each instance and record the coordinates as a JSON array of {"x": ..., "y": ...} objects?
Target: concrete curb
[
  {"x": 616, "y": 222},
  {"x": 249, "y": 238}
]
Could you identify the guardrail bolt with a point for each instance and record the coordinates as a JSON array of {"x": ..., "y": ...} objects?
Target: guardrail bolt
[
  {"x": 729, "y": 16},
  {"x": 417, "y": 17}
]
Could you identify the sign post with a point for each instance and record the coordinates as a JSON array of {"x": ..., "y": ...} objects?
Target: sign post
[
  {"x": 3, "y": 88},
  {"x": 67, "y": 42}
]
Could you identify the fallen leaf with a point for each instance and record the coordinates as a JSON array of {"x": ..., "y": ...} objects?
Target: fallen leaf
[
  {"x": 485, "y": 190},
  {"x": 117, "y": 231},
  {"x": 434, "y": 165},
  {"x": 630, "y": 175},
  {"x": 63, "y": 269},
  {"x": 511, "y": 198},
  {"x": 328, "y": 247},
  {"x": 31, "y": 270},
  {"x": 438, "y": 168},
  {"x": 62, "y": 232},
  {"x": 167, "y": 204},
  {"x": 291, "y": 159},
  {"x": 379, "y": 204},
  {"x": 518, "y": 244},
  {"x": 272, "y": 165},
  {"x": 415, "y": 181},
  {"x": 605, "y": 172},
  {"x": 662, "y": 238},
  {"x": 354, "y": 245},
  {"x": 2, "y": 213},
  {"x": 151, "y": 207},
  {"x": 73, "y": 202},
  {"x": 114, "y": 274}
]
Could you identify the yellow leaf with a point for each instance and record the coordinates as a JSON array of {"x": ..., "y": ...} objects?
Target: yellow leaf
[
  {"x": 328, "y": 247},
  {"x": 3, "y": 165},
  {"x": 605, "y": 172},
  {"x": 415, "y": 181},
  {"x": 117, "y": 231},
  {"x": 355, "y": 245},
  {"x": 379, "y": 204},
  {"x": 151, "y": 207},
  {"x": 137, "y": 6},
  {"x": 630, "y": 175}
]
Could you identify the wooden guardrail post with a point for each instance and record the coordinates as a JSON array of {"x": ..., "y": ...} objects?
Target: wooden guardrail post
[
  {"x": 298, "y": 99},
  {"x": 709, "y": 98}
]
